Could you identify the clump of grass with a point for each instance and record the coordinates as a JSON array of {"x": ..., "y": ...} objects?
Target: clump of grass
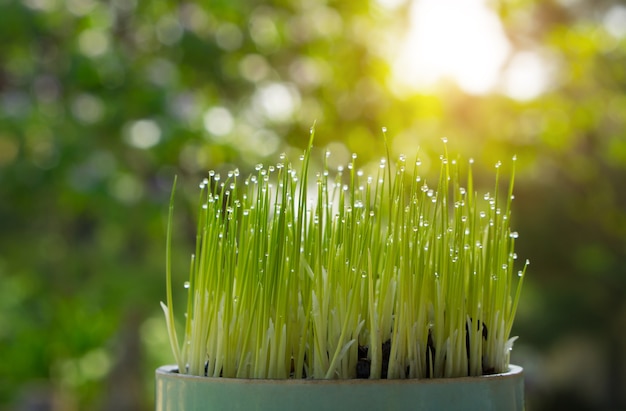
[{"x": 378, "y": 277}]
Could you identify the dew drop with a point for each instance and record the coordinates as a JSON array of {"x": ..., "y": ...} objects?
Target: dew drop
[
  {"x": 514, "y": 234},
  {"x": 384, "y": 129},
  {"x": 186, "y": 284},
  {"x": 444, "y": 140}
]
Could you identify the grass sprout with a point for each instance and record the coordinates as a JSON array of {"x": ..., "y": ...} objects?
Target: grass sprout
[{"x": 324, "y": 275}]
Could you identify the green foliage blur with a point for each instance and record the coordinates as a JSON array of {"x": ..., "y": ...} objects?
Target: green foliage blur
[{"x": 103, "y": 102}]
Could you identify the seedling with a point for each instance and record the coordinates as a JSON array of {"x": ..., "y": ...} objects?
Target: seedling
[{"x": 351, "y": 276}]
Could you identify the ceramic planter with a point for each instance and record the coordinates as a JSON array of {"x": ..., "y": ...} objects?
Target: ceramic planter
[{"x": 187, "y": 393}]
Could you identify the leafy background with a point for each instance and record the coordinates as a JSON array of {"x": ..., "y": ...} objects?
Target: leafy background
[{"x": 103, "y": 102}]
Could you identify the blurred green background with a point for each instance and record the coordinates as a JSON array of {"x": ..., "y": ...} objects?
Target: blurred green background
[{"x": 103, "y": 102}]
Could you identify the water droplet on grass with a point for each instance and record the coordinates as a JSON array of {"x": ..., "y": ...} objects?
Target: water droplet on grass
[{"x": 186, "y": 284}]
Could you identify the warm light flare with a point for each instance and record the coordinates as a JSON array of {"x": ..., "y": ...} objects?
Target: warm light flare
[{"x": 461, "y": 40}]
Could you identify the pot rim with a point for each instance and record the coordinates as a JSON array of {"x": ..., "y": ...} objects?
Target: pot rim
[{"x": 171, "y": 371}]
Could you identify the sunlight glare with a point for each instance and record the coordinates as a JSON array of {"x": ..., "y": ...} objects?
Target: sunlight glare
[{"x": 461, "y": 40}]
